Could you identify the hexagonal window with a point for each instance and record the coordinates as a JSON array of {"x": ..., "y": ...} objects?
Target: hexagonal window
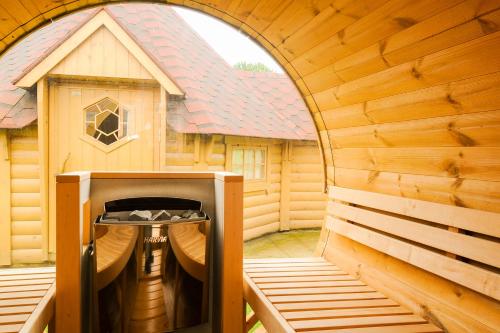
[{"x": 106, "y": 121}]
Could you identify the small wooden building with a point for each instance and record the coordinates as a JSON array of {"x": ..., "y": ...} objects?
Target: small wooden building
[{"x": 134, "y": 88}]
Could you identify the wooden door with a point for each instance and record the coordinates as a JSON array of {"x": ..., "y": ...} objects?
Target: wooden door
[{"x": 73, "y": 107}]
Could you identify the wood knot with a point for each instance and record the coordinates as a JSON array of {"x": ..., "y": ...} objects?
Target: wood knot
[
  {"x": 341, "y": 35},
  {"x": 415, "y": 73},
  {"x": 452, "y": 169},
  {"x": 487, "y": 27},
  {"x": 457, "y": 183},
  {"x": 405, "y": 22},
  {"x": 457, "y": 201},
  {"x": 461, "y": 138},
  {"x": 315, "y": 11},
  {"x": 372, "y": 176}
]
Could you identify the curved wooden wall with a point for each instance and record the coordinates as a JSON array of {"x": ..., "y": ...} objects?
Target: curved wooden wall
[{"x": 405, "y": 97}]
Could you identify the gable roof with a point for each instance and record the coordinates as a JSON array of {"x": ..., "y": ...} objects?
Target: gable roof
[{"x": 218, "y": 98}]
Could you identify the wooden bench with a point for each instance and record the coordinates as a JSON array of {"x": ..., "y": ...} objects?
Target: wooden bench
[
  {"x": 189, "y": 245},
  {"x": 188, "y": 242},
  {"x": 313, "y": 294},
  {"x": 27, "y": 297},
  {"x": 114, "y": 246}
]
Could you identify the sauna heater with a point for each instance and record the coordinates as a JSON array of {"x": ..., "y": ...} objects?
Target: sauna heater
[{"x": 164, "y": 285}]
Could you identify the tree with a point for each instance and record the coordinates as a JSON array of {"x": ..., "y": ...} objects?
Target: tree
[{"x": 252, "y": 67}]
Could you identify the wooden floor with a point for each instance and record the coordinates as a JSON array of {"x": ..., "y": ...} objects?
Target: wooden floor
[
  {"x": 150, "y": 313},
  {"x": 313, "y": 295},
  {"x": 27, "y": 297}
]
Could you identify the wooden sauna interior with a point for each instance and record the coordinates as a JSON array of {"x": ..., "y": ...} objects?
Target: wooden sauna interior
[{"x": 405, "y": 96}]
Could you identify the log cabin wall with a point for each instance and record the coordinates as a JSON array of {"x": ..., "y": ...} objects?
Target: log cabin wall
[
  {"x": 28, "y": 237},
  {"x": 306, "y": 193},
  {"x": 289, "y": 199}
]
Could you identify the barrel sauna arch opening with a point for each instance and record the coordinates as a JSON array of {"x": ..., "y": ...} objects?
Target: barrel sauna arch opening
[{"x": 404, "y": 98}]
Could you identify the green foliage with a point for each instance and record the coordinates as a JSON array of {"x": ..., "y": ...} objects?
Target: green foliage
[{"x": 252, "y": 67}]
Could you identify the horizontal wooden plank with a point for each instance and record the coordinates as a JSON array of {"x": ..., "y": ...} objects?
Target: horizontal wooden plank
[
  {"x": 13, "y": 319},
  {"x": 338, "y": 304},
  {"x": 455, "y": 63},
  {"x": 478, "y": 279},
  {"x": 339, "y": 313},
  {"x": 317, "y": 290},
  {"x": 461, "y": 244},
  {"x": 420, "y": 328},
  {"x": 309, "y": 284},
  {"x": 17, "y": 282},
  {"x": 326, "y": 297},
  {"x": 21, "y": 288},
  {"x": 464, "y": 218},
  {"x": 303, "y": 273},
  {"x": 286, "y": 260},
  {"x": 14, "y": 302},
  {"x": 16, "y": 309},
  {"x": 301, "y": 325},
  {"x": 267, "y": 264},
  {"x": 455, "y": 26},
  {"x": 465, "y": 162},
  {"x": 471, "y": 193},
  {"x": 26, "y": 271},
  {"x": 476, "y": 129},
  {"x": 303, "y": 278}
]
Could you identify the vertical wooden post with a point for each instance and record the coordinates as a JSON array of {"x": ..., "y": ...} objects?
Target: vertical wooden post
[
  {"x": 5, "y": 199},
  {"x": 163, "y": 129},
  {"x": 229, "y": 213},
  {"x": 71, "y": 193},
  {"x": 286, "y": 174},
  {"x": 43, "y": 160}
]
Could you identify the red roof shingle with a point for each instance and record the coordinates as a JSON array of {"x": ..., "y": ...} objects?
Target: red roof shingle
[{"x": 218, "y": 98}]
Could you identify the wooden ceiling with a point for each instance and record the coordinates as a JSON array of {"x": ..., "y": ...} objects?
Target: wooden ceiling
[{"x": 405, "y": 94}]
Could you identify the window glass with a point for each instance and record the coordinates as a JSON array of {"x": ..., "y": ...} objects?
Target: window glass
[
  {"x": 250, "y": 163},
  {"x": 106, "y": 121}
]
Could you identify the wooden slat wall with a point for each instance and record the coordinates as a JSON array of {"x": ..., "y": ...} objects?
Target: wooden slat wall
[
  {"x": 189, "y": 152},
  {"x": 261, "y": 212},
  {"x": 102, "y": 54},
  {"x": 26, "y": 225},
  {"x": 307, "y": 197}
]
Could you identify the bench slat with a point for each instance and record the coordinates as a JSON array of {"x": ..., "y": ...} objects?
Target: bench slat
[
  {"x": 339, "y": 313},
  {"x": 303, "y": 273},
  {"x": 338, "y": 304},
  {"x": 476, "y": 278},
  {"x": 478, "y": 249},
  {"x": 319, "y": 290},
  {"x": 357, "y": 322},
  {"x": 419, "y": 328},
  {"x": 309, "y": 284},
  {"x": 484, "y": 222},
  {"x": 10, "y": 328},
  {"x": 303, "y": 278},
  {"x": 290, "y": 269},
  {"x": 325, "y": 297},
  {"x": 324, "y": 305}
]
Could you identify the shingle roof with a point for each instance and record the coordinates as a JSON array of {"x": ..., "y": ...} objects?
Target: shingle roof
[{"x": 219, "y": 99}]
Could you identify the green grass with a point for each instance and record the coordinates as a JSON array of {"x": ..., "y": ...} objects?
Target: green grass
[{"x": 287, "y": 244}]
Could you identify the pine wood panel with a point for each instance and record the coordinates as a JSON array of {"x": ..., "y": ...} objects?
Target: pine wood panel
[
  {"x": 26, "y": 231},
  {"x": 102, "y": 55},
  {"x": 26, "y": 303},
  {"x": 285, "y": 306},
  {"x": 410, "y": 237}
]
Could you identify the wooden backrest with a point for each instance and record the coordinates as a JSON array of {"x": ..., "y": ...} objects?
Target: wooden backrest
[{"x": 459, "y": 244}]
